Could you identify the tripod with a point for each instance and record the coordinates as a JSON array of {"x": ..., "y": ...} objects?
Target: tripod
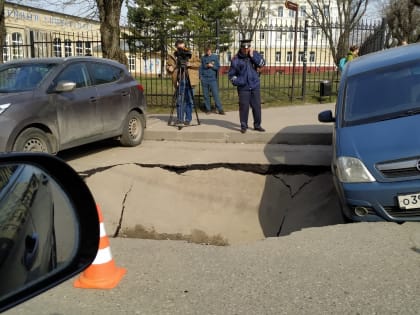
[{"x": 181, "y": 93}]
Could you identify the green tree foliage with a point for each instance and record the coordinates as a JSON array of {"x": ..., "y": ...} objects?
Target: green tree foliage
[{"x": 179, "y": 19}]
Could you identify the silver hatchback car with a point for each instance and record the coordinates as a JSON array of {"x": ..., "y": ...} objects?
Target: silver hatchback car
[{"x": 54, "y": 104}]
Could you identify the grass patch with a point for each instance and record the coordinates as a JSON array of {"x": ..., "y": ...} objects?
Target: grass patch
[{"x": 196, "y": 236}]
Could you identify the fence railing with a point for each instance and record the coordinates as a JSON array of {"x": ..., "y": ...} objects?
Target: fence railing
[
  {"x": 147, "y": 56},
  {"x": 314, "y": 61}
]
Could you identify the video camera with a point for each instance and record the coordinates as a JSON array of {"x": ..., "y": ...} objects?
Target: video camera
[{"x": 182, "y": 56}]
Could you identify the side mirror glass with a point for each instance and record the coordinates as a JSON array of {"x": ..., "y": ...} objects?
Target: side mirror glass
[
  {"x": 44, "y": 237},
  {"x": 65, "y": 86}
]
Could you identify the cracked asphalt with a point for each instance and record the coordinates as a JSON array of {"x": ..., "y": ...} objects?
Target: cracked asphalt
[
  {"x": 240, "y": 198},
  {"x": 247, "y": 194}
]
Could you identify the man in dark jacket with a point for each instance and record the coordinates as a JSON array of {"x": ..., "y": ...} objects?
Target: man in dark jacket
[
  {"x": 209, "y": 69},
  {"x": 244, "y": 74}
]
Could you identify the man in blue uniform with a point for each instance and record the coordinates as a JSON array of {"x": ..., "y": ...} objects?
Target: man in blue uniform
[
  {"x": 208, "y": 76},
  {"x": 244, "y": 74}
]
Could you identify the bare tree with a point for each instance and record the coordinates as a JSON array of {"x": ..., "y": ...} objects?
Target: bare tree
[
  {"x": 249, "y": 13},
  {"x": 403, "y": 19},
  {"x": 349, "y": 14}
]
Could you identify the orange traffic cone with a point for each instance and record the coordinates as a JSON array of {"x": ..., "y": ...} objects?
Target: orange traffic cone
[{"x": 102, "y": 273}]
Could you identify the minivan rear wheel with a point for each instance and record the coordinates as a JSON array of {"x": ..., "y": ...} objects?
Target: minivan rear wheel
[
  {"x": 32, "y": 140},
  {"x": 133, "y": 131}
]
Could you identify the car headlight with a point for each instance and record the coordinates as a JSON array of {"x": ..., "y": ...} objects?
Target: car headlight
[
  {"x": 3, "y": 107},
  {"x": 352, "y": 170}
]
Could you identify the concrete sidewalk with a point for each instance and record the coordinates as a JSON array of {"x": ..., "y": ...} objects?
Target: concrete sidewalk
[{"x": 295, "y": 124}]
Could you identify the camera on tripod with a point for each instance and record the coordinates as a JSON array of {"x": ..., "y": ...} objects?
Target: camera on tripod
[{"x": 182, "y": 56}]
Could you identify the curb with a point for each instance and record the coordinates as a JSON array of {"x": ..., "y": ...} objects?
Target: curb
[{"x": 309, "y": 137}]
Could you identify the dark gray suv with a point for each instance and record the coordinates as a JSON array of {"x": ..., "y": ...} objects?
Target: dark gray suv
[{"x": 54, "y": 104}]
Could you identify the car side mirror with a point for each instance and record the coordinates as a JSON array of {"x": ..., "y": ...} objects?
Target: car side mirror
[
  {"x": 326, "y": 116},
  {"x": 65, "y": 86},
  {"x": 49, "y": 226}
]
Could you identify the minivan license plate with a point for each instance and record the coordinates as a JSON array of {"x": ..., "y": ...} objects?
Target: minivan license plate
[{"x": 411, "y": 201}]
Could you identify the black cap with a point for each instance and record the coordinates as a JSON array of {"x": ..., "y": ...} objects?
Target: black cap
[{"x": 245, "y": 43}]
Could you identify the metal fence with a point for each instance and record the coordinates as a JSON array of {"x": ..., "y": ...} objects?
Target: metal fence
[{"x": 313, "y": 59}]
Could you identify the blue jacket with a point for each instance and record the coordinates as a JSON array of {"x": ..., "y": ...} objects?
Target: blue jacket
[
  {"x": 243, "y": 71},
  {"x": 206, "y": 73}
]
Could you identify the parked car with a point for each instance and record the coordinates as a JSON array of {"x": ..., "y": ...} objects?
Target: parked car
[
  {"x": 376, "y": 137},
  {"x": 53, "y": 104},
  {"x": 49, "y": 225},
  {"x": 27, "y": 233}
]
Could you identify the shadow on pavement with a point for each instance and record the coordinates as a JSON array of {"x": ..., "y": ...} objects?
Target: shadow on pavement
[
  {"x": 295, "y": 200},
  {"x": 87, "y": 149},
  {"x": 204, "y": 120},
  {"x": 304, "y": 134}
]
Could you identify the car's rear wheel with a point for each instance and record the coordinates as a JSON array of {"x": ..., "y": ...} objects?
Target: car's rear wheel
[
  {"x": 133, "y": 131},
  {"x": 32, "y": 140}
]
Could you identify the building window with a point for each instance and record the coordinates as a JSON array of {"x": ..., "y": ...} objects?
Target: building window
[
  {"x": 314, "y": 34},
  {"x": 312, "y": 56},
  {"x": 261, "y": 53},
  {"x": 17, "y": 42},
  {"x": 278, "y": 56},
  {"x": 263, "y": 12},
  {"x": 315, "y": 10},
  {"x": 262, "y": 35},
  {"x": 229, "y": 56},
  {"x": 301, "y": 56},
  {"x": 6, "y": 53},
  {"x": 88, "y": 48},
  {"x": 303, "y": 11},
  {"x": 67, "y": 48},
  {"x": 291, "y": 32},
  {"x": 79, "y": 48},
  {"x": 57, "y": 47},
  {"x": 278, "y": 36},
  {"x": 326, "y": 10},
  {"x": 280, "y": 11},
  {"x": 132, "y": 63},
  {"x": 291, "y": 13},
  {"x": 289, "y": 56}
]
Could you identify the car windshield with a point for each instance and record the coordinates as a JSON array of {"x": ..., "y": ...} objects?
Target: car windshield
[
  {"x": 23, "y": 77},
  {"x": 386, "y": 94}
]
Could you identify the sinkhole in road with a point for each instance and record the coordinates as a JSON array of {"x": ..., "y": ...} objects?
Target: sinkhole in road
[{"x": 218, "y": 204}]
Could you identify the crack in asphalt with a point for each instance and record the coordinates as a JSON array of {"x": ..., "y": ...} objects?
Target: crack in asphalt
[
  {"x": 292, "y": 196},
  {"x": 261, "y": 169},
  {"x": 117, "y": 230}
]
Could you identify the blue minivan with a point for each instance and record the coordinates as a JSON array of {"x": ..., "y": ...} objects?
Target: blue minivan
[{"x": 376, "y": 137}]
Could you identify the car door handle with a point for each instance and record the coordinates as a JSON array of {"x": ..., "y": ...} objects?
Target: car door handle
[
  {"x": 31, "y": 250},
  {"x": 92, "y": 99},
  {"x": 125, "y": 93}
]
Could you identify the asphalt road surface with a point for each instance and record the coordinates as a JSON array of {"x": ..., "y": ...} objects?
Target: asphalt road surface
[{"x": 318, "y": 265}]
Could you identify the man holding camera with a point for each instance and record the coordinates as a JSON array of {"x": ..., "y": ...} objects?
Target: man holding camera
[
  {"x": 208, "y": 76},
  {"x": 244, "y": 73},
  {"x": 183, "y": 66}
]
